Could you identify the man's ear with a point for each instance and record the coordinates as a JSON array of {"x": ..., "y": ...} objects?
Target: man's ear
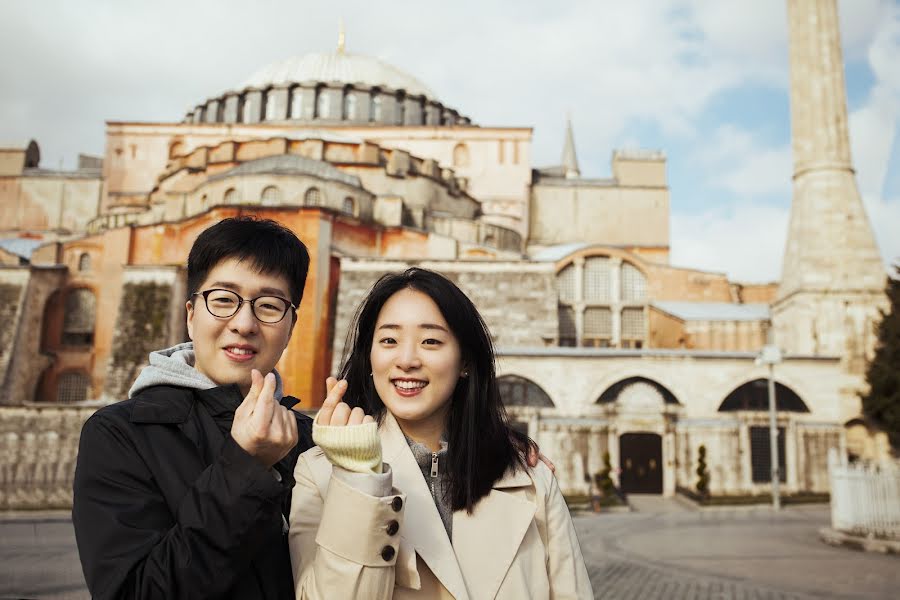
[{"x": 189, "y": 306}]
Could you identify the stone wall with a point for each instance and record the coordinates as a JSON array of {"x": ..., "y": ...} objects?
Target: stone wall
[
  {"x": 38, "y": 448},
  {"x": 20, "y": 330},
  {"x": 151, "y": 317},
  {"x": 516, "y": 300}
]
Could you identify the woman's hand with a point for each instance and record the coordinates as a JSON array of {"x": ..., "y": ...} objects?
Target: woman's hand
[{"x": 335, "y": 412}]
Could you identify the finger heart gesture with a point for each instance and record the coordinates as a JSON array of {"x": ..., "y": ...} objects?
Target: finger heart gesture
[{"x": 335, "y": 412}]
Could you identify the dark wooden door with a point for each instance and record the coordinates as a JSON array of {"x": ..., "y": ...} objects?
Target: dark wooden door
[{"x": 640, "y": 457}]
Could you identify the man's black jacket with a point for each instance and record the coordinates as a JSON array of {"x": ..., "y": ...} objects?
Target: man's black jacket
[{"x": 167, "y": 506}]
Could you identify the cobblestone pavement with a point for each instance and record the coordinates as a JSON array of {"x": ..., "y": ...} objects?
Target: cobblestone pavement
[
  {"x": 746, "y": 553},
  {"x": 667, "y": 552}
]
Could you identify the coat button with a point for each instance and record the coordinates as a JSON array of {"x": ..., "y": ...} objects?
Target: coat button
[
  {"x": 397, "y": 503},
  {"x": 393, "y": 527},
  {"x": 387, "y": 553}
]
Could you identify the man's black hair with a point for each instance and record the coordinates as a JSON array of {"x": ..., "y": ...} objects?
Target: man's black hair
[{"x": 265, "y": 245}]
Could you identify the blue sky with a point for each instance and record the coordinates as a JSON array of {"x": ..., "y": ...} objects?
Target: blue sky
[{"x": 703, "y": 80}]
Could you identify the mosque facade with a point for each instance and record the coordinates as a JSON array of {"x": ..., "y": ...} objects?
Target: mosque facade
[{"x": 606, "y": 351}]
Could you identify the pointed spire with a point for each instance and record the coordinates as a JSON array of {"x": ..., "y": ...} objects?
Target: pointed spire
[
  {"x": 341, "y": 36},
  {"x": 569, "y": 158}
]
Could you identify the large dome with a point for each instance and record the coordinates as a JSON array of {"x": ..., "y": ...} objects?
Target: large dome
[
  {"x": 337, "y": 67},
  {"x": 329, "y": 89}
]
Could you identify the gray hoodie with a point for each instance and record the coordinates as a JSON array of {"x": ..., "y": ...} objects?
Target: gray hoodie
[{"x": 175, "y": 366}]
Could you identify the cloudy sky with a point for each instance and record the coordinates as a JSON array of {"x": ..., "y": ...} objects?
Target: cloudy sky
[{"x": 703, "y": 80}]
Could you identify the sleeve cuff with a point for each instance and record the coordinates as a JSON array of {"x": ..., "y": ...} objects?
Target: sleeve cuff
[
  {"x": 368, "y": 483},
  {"x": 356, "y": 448}
]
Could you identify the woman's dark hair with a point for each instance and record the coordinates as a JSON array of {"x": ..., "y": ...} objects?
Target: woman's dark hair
[{"x": 481, "y": 444}]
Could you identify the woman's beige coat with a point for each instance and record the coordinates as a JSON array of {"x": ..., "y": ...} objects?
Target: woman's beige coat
[{"x": 518, "y": 543}]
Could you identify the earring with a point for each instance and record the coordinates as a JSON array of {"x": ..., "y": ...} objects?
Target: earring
[
  {"x": 464, "y": 374},
  {"x": 371, "y": 374}
]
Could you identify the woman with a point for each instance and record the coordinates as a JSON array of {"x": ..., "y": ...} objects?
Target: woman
[{"x": 453, "y": 510}]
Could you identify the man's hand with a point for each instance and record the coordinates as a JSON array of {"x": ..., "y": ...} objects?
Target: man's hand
[
  {"x": 334, "y": 412},
  {"x": 262, "y": 427}
]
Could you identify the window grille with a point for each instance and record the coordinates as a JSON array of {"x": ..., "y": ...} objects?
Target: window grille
[
  {"x": 634, "y": 284},
  {"x": 597, "y": 322},
  {"x": 84, "y": 262},
  {"x": 761, "y": 455},
  {"x": 72, "y": 387},
  {"x": 633, "y": 323},
  {"x": 313, "y": 197},
  {"x": 596, "y": 280},
  {"x": 271, "y": 196},
  {"x": 349, "y": 206},
  {"x": 565, "y": 282}
]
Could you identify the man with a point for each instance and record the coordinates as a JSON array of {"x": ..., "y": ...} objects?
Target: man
[{"x": 181, "y": 491}]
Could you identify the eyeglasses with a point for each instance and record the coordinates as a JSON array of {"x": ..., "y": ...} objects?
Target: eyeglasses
[{"x": 225, "y": 303}]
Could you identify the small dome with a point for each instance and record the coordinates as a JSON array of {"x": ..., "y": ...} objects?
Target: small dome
[{"x": 340, "y": 68}]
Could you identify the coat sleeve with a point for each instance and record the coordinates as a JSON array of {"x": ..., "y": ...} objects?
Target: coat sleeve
[
  {"x": 565, "y": 567},
  {"x": 131, "y": 544},
  {"x": 344, "y": 543}
]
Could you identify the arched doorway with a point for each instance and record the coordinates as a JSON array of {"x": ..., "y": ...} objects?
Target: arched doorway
[{"x": 640, "y": 458}]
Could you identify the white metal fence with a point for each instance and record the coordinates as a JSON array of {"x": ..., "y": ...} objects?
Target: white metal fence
[{"x": 865, "y": 498}]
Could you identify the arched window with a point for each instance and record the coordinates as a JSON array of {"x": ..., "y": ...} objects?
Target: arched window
[
  {"x": 230, "y": 197},
  {"x": 72, "y": 387},
  {"x": 312, "y": 197},
  {"x": 271, "y": 196},
  {"x": 349, "y": 206},
  {"x": 79, "y": 318},
  {"x": 350, "y": 105},
  {"x": 460, "y": 155},
  {"x": 84, "y": 262},
  {"x": 203, "y": 201},
  {"x": 634, "y": 284},
  {"x": 594, "y": 311},
  {"x": 614, "y": 392},
  {"x": 754, "y": 395},
  {"x": 271, "y": 106},
  {"x": 518, "y": 391},
  {"x": 377, "y": 107},
  {"x": 323, "y": 104},
  {"x": 297, "y": 103}
]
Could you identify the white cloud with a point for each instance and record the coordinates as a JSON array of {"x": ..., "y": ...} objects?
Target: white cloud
[
  {"x": 745, "y": 240},
  {"x": 736, "y": 161}
]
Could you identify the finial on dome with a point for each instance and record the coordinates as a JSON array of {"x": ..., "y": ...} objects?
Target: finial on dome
[{"x": 341, "y": 36}]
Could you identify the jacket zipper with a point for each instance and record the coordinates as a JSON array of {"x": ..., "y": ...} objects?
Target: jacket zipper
[{"x": 434, "y": 473}]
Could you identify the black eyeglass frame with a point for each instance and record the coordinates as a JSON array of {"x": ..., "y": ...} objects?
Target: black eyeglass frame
[{"x": 241, "y": 300}]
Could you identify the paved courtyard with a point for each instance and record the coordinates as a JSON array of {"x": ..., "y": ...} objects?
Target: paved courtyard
[{"x": 663, "y": 551}]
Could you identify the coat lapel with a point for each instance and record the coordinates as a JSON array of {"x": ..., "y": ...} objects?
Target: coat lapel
[
  {"x": 487, "y": 541},
  {"x": 422, "y": 526}
]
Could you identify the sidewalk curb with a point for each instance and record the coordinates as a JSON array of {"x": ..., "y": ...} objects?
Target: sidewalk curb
[
  {"x": 839, "y": 538},
  {"x": 35, "y": 516}
]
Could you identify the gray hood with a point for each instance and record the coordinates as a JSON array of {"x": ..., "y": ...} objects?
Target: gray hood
[{"x": 175, "y": 366}]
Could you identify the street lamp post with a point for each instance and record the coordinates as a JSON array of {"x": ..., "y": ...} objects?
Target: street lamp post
[{"x": 771, "y": 356}]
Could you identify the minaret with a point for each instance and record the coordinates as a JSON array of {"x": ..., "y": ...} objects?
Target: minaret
[
  {"x": 833, "y": 278},
  {"x": 569, "y": 158}
]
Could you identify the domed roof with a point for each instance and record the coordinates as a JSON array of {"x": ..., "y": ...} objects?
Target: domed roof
[{"x": 340, "y": 67}]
